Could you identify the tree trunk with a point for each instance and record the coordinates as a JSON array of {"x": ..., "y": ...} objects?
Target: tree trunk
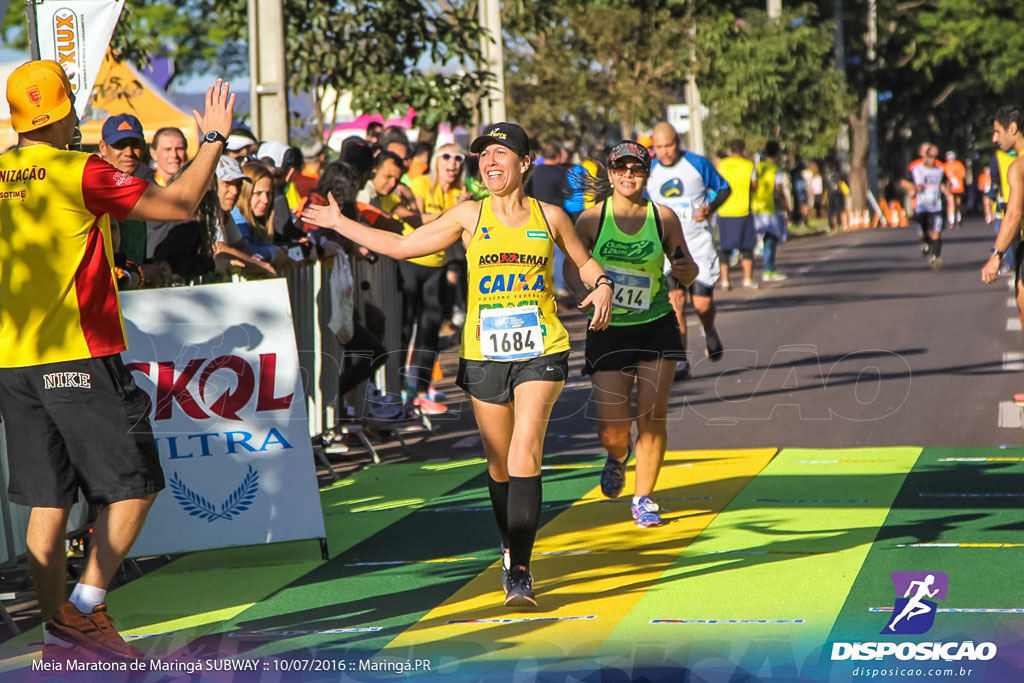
[
  {"x": 626, "y": 128},
  {"x": 859, "y": 141}
]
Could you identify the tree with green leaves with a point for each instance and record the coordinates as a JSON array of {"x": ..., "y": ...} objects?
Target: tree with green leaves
[
  {"x": 373, "y": 50},
  {"x": 623, "y": 61},
  {"x": 764, "y": 78},
  {"x": 598, "y": 63}
]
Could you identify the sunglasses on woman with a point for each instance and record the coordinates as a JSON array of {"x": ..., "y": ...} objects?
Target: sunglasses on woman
[
  {"x": 458, "y": 157},
  {"x": 634, "y": 169}
]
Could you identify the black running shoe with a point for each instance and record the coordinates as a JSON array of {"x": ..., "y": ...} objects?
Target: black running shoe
[
  {"x": 613, "y": 476},
  {"x": 714, "y": 346},
  {"x": 682, "y": 369},
  {"x": 520, "y": 588}
]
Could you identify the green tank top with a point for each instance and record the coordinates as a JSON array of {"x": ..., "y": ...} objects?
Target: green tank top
[
  {"x": 634, "y": 262},
  {"x": 764, "y": 194}
]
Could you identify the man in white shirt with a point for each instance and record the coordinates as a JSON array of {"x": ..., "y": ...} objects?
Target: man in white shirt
[{"x": 688, "y": 184}]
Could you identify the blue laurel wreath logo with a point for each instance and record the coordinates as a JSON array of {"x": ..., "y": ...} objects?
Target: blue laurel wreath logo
[{"x": 238, "y": 502}]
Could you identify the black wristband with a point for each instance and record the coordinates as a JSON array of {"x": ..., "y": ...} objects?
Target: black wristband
[{"x": 605, "y": 279}]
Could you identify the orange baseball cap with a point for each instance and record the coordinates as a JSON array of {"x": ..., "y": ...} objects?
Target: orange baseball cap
[{"x": 39, "y": 94}]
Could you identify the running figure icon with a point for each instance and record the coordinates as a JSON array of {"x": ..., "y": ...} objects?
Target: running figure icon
[{"x": 915, "y": 606}]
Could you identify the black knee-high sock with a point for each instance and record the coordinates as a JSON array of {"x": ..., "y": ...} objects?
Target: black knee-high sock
[
  {"x": 499, "y": 501},
  {"x": 524, "y": 496},
  {"x": 937, "y": 246}
]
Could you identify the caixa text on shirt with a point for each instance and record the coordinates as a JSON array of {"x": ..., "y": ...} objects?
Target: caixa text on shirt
[{"x": 225, "y": 387}]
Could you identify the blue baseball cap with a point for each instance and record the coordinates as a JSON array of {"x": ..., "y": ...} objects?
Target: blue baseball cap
[{"x": 121, "y": 127}]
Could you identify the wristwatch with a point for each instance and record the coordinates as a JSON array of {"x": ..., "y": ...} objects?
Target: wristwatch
[
  {"x": 996, "y": 252},
  {"x": 214, "y": 136}
]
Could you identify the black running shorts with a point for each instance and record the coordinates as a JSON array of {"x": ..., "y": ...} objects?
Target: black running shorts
[
  {"x": 623, "y": 346},
  {"x": 80, "y": 424},
  {"x": 494, "y": 381},
  {"x": 696, "y": 288},
  {"x": 930, "y": 220},
  {"x": 1018, "y": 262}
]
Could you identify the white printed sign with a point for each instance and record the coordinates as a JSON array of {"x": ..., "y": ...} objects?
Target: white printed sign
[
  {"x": 76, "y": 34},
  {"x": 220, "y": 367}
]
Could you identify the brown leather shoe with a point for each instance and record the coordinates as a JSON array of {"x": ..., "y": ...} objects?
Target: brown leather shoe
[{"x": 92, "y": 632}]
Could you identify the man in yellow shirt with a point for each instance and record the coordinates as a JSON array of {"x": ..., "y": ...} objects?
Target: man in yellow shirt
[
  {"x": 735, "y": 222},
  {"x": 81, "y": 421}
]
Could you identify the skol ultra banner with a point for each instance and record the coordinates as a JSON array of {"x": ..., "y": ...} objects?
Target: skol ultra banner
[
  {"x": 75, "y": 34},
  {"x": 220, "y": 366}
]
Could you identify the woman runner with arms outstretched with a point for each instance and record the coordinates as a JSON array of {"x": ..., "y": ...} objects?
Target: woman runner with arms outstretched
[{"x": 514, "y": 355}]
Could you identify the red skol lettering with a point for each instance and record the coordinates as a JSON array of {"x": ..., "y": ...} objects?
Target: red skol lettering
[
  {"x": 171, "y": 390},
  {"x": 268, "y": 373},
  {"x": 230, "y": 402},
  {"x": 172, "y": 387}
]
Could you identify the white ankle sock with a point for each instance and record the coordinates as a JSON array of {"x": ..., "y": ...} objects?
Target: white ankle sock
[{"x": 85, "y": 598}]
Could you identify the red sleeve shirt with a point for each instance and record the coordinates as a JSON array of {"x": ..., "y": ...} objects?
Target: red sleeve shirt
[{"x": 108, "y": 190}]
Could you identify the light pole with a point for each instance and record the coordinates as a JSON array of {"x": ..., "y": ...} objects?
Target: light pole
[
  {"x": 871, "y": 38},
  {"x": 492, "y": 106},
  {"x": 268, "y": 81},
  {"x": 843, "y": 138}
]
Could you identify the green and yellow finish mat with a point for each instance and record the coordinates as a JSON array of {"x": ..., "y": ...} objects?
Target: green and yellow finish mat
[{"x": 799, "y": 564}]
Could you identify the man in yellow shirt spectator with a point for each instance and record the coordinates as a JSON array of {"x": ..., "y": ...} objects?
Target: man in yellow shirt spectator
[{"x": 735, "y": 222}]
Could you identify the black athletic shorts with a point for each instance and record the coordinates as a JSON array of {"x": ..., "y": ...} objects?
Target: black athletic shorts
[
  {"x": 736, "y": 232},
  {"x": 697, "y": 288},
  {"x": 623, "y": 346},
  {"x": 930, "y": 220},
  {"x": 80, "y": 424},
  {"x": 494, "y": 381},
  {"x": 1018, "y": 262}
]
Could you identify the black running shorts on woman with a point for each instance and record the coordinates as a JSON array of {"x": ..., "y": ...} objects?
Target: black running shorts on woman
[
  {"x": 622, "y": 347},
  {"x": 494, "y": 381}
]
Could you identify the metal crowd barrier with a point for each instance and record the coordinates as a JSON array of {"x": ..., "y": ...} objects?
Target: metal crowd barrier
[{"x": 378, "y": 306}]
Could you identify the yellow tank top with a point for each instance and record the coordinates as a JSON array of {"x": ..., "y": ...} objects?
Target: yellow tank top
[
  {"x": 1004, "y": 161},
  {"x": 738, "y": 172},
  {"x": 512, "y": 310},
  {"x": 764, "y": 195}
]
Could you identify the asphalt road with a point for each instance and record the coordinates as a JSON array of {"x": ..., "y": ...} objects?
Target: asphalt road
[{"x": 863, "y": 345}]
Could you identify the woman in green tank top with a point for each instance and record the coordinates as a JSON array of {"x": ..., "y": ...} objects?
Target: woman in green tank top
[{"x": 631, "y": 237}]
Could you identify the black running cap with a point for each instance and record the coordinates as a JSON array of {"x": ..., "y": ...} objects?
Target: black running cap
[{"x": 505, "y": 134}]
